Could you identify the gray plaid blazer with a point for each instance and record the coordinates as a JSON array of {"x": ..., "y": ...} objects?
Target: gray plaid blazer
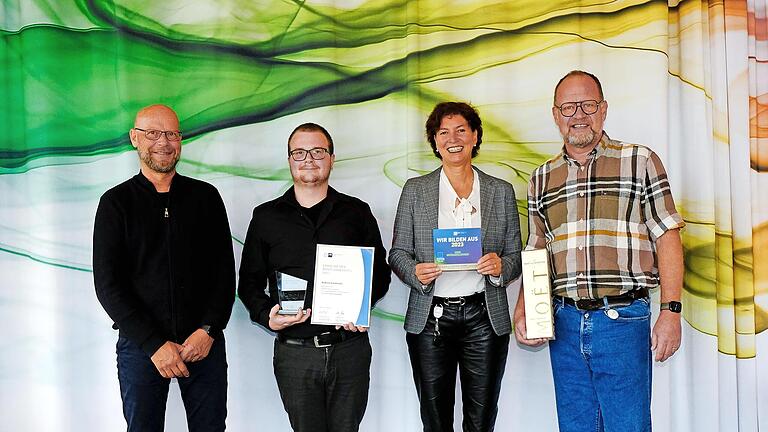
[{"x": 417, "y": 214}]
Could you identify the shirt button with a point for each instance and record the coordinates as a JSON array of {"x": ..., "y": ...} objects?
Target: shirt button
[
  {"x": 586, "y": 315},
  {"x": 581, "y": 247},
  {"x": 581, "y": 274},
  {"x": 581, "y": 194},
  {"x": 582, "y": 168}
]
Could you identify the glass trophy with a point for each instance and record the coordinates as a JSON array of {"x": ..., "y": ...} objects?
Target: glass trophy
[{"x": 290, "y": 292}]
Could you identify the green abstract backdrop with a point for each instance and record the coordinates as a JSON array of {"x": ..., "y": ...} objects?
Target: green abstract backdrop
[{"x": 687, "y": 78}]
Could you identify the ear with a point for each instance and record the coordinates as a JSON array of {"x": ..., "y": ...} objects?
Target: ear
[
  {"x": 604, "y": 109},
  {"x": 134, "y": 137},
  {"x": 555, "y": 112}
]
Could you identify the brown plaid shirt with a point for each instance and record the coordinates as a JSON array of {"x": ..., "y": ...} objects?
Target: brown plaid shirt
[{"x": 599, "y": 221}]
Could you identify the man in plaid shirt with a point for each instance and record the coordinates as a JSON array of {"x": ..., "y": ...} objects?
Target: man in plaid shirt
[{"x": 604, "y": 211}]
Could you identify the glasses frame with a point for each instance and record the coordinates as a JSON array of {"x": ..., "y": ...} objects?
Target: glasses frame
[
  {"x": 579, "y": 105},
  {"x": 162, "y": 132},
  {"x": 311, "y": 152}
]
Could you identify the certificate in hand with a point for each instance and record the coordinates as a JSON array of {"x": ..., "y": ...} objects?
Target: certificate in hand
[
  {"x": 457, "y": 248},
  {"x": 342, "y": 288}
]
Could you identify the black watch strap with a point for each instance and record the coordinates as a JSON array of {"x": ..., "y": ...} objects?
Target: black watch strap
[{"x": 672, "y": 306}]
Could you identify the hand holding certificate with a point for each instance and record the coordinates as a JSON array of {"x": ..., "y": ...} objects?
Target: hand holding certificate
[{"x": 342, "y": 288}]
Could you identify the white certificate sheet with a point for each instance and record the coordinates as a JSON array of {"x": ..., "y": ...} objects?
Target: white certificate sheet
[{"x": 342, "y": 288}]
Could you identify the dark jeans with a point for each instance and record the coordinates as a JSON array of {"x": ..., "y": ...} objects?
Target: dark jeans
[
  {"x": 469, "y": 342},
  {"x": 145, "y": 391},
  {"x": 324, "y": 389}
]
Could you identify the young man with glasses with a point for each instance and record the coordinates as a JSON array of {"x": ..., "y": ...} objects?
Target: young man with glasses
[
  {"x": 322, "y": 371},
  {"x": 604, "y": 211},
  {"x": 163, "y": 268}
]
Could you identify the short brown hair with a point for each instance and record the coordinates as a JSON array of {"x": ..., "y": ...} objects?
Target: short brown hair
[
  {"x": 445, "y": 109},
  {"x": 311, "y": 127}
]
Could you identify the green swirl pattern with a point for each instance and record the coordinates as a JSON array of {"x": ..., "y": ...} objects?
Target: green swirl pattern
[{"x": 74, "y": 73}]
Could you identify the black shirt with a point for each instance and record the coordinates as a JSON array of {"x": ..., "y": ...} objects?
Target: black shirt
[
  {"x": 162, "y": 262},
  {"x": 282, "y": 237},
  {"x": 313, "y": 213}
]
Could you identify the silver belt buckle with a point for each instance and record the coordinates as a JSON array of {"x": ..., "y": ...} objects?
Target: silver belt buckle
[
  {"x": 316, "y": 340},
  {"x": 461, "y": 301}
]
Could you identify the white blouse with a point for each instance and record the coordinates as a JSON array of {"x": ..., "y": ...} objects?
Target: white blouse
[{"x": 455, "y": 212}]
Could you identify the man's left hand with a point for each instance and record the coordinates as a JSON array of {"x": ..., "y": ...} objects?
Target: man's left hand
[
  {"x": 489, "y": 264},
  {"x": 197, "y": 346},
  {"x": 353, "y": 328},
  {"x": 665, "y": 339}
]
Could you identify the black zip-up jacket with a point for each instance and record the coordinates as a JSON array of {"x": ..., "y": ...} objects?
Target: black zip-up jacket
[
  {"x": 163, "y": 264},
  {"x": 281, "y": 237}
]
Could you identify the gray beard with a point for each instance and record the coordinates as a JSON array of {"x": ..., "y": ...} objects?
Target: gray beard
[
  {"x": 146, "y": 157},
  {"x": 581, "y": 141}
]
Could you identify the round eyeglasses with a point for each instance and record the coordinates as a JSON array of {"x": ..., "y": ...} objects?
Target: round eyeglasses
[
  {"x": 589, "y": 107},
  {"x": 155, "y": 135},
  {"x": 316, "y": 153}
]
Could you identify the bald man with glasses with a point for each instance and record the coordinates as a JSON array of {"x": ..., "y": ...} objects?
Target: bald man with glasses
[{"x": 164, "y": 271}]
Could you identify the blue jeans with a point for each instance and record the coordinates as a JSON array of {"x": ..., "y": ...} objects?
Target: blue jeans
[
  {"x": 602, "y": 368},
  {"x": 145, "y": 392}
]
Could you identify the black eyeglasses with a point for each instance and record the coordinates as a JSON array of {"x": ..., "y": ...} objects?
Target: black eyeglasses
[
  {"x": 316, "y": 153},
  {"x": 155, "y": 135},
  {"x": 589, "y": 107}
]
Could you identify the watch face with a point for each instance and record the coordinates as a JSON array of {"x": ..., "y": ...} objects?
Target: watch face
[{"x": 676, "y": 307}]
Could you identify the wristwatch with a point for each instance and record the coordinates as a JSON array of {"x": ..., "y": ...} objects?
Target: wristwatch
[
  {"x": 673, "y": 306},
  {"x": 207, "y": 329}
]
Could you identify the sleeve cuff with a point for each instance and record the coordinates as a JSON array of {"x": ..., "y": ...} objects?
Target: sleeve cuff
[
  {"x": 151, "y": 345},
  {"x": 674, "y": 221},
  {"x": 495, "y": 281}
]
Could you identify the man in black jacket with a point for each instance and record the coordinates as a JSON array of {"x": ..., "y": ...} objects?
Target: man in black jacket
[
  {"x": 322, "y": 371},
  {"x": 163, "y": 268}
]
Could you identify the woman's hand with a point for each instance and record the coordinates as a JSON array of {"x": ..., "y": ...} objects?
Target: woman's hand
[
  {"x": 489, "y": 264},
  {"x": 427, "y": 272}
]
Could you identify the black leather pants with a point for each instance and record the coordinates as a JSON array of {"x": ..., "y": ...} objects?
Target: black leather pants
[{"x": 466, "y": 340}]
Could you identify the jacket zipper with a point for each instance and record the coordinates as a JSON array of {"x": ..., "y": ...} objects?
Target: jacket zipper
[{"x": 167, "y": 217}]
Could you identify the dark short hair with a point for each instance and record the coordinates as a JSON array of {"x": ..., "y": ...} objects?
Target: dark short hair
[
  {"x": 446, "y": 109},
  {"x": 575, "y": 73},
  {"x": 311, "y": 127}
]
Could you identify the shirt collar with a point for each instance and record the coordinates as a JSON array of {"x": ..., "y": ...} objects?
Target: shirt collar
[
  {"x": 446, "y": 188},
  {"x": 145, "y": 183},
  {"x": 289, "y": 197},
  {"x": 596, "y": 152}
]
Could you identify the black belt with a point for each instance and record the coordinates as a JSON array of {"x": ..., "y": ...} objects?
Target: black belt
[
  {"x": 619, "y": 300},
  {"x": 322, "y": 340},
  {"x": 460, "y": 300}
]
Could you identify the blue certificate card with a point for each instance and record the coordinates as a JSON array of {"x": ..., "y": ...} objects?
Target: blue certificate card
[{"x": 457, "y": 248}]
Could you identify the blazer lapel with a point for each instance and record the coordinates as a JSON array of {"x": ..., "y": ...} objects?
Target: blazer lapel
[
  {"x": 486, "y": 203},
  {"x": 431, "y": 196}
]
